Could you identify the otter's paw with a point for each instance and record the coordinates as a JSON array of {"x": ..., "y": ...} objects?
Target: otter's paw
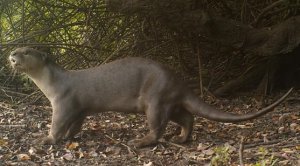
[
  {"x": 136, "y": 143},
  {"x": 144, "y": 142},
  {"x": 45, "y": 141},
  {"x": 179, "y": 139}
]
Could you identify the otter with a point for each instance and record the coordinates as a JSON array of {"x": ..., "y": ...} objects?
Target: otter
[{"x": 131, "y": 85}]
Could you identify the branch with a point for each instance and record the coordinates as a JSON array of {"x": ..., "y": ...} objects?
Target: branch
[
  {"x": 37, "y": 33},
  {"x": 241, "y": 150},
  {"x": 267, "y": 9},
  {"x": 48, "y": 44}
]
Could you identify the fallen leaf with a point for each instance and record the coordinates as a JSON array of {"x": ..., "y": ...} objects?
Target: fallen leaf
[
  {"x": 167, "y": 152},
  {"x": 294, "y": 127},
  {"x": 209, "y": 152},
  {"x": 294, "y": 117},
  {"x": 231, "y": 148},
  {"x": 3, "y": 142},
  {"x": 284, "y": 162},
  {"x": 287, "y": 150},
  {"x": 132, "y": 116},
  {"x": 91, "y": 143},
  {"x": 93, "y": 153},
  {"x": 68, "y": 156},
  {"x": 281, "y": 129},
  {"x": 113, "y": 150},
  {"x": 81, "y": 154},
  {"x": 201, "y": 147},
  {"x": 148, "y": 164},
  {"x": 95, "y": 126},
  {"x": 284, "y": 155},
  {"x": 265, "y": 137},
  {"x": 32, "y": 151},
  {"x": 73, "y": 146},
  {"x": 283, "y": 118},
  {"x": 23, "y": 157}
]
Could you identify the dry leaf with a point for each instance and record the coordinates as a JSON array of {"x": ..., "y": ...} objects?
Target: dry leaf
[
  {"x": 68, "y": 156},
  {"x": 231, "y": 148},
  {"x": 284, "y": 162},
  {"x": 93, "y": 153},
  {"x": 294, "y": 117},
  {"x": 148, "y": 164},
  {"x": 73, "y": 146},
  {"x": 3, "y": 142},
  {"x": 32, "y": 151},
  {"x": 287, "y": 150},
  {"x": 23, "y": 157},
  {"x": 281, "y": 129},
  {"x": 201, "y": 147},
  {"x": 95, "y": 126},
  {"x": 209, "y": 152},
  {"x": 113, "y": 150},
  {"x": 91, "y": 143},
  {"x": 294, "y": 127},
  {"x": 81, "y": 154}
]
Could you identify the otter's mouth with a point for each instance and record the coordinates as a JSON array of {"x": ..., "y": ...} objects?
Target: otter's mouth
[
  {"x": 15, "y": 63},
  {"x": 16, "y": 66}
]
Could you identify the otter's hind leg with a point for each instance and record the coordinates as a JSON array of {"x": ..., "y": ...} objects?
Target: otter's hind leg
[
  {"x": 185, "y": 120},
  {"x": 157, "y": 122},
  {"x": 75, "y": 126}
]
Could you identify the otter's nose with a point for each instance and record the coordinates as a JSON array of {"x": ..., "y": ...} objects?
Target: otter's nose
[{"x": 12, "y": 59}]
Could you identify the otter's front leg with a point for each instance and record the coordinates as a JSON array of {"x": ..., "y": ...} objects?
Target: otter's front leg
[{"x": 62, "y": 119}]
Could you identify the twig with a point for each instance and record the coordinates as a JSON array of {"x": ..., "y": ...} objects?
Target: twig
[
  {"x": 241, "y": 150},
  {"x": 41, "y": 32},
  {"x": 265, "y": 10},
  {"x": 70, "y": 6},
  {"x": 11, "y": 98},
  {"x": 10, "y": 126},
  {"x": 23, "y": 21},
  {"x": 28, "y": 96},
  {"x": 6, "y": 90},
  {"x": 1, "y": 105},
  {"x": 48, "y": 44},
  {"x": 173, "y": 144},
  {"x": 261, "y": 143},
  {"x": 277, "y": 142},
  {"x": 118, "y": 142},
  {"x": 200, "y": 69},
  {"x": 114, "y": 53}
]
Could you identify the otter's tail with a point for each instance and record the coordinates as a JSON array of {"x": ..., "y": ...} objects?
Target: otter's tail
[{"x": 196, "y": 106}]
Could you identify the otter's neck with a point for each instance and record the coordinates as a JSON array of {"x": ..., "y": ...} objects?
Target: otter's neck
[{"x": 48, "y": 79}]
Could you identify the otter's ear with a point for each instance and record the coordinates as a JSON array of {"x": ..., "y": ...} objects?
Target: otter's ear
[
  {"x": 27, "y": 49},
  {"x": 44, "y": 49},
  {"x": 44, "y": 56}
]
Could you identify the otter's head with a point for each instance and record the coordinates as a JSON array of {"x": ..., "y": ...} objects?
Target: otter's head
[{"x": 26, "y": 59}]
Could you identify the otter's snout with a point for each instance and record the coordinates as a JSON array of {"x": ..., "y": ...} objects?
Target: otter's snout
[{"x": 14, "y": 61}]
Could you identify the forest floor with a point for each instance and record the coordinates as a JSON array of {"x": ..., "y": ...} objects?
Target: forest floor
[{"x": 273, "y": 139}]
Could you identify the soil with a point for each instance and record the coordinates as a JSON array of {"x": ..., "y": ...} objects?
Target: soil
[{"x": 271, "y": 139}]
